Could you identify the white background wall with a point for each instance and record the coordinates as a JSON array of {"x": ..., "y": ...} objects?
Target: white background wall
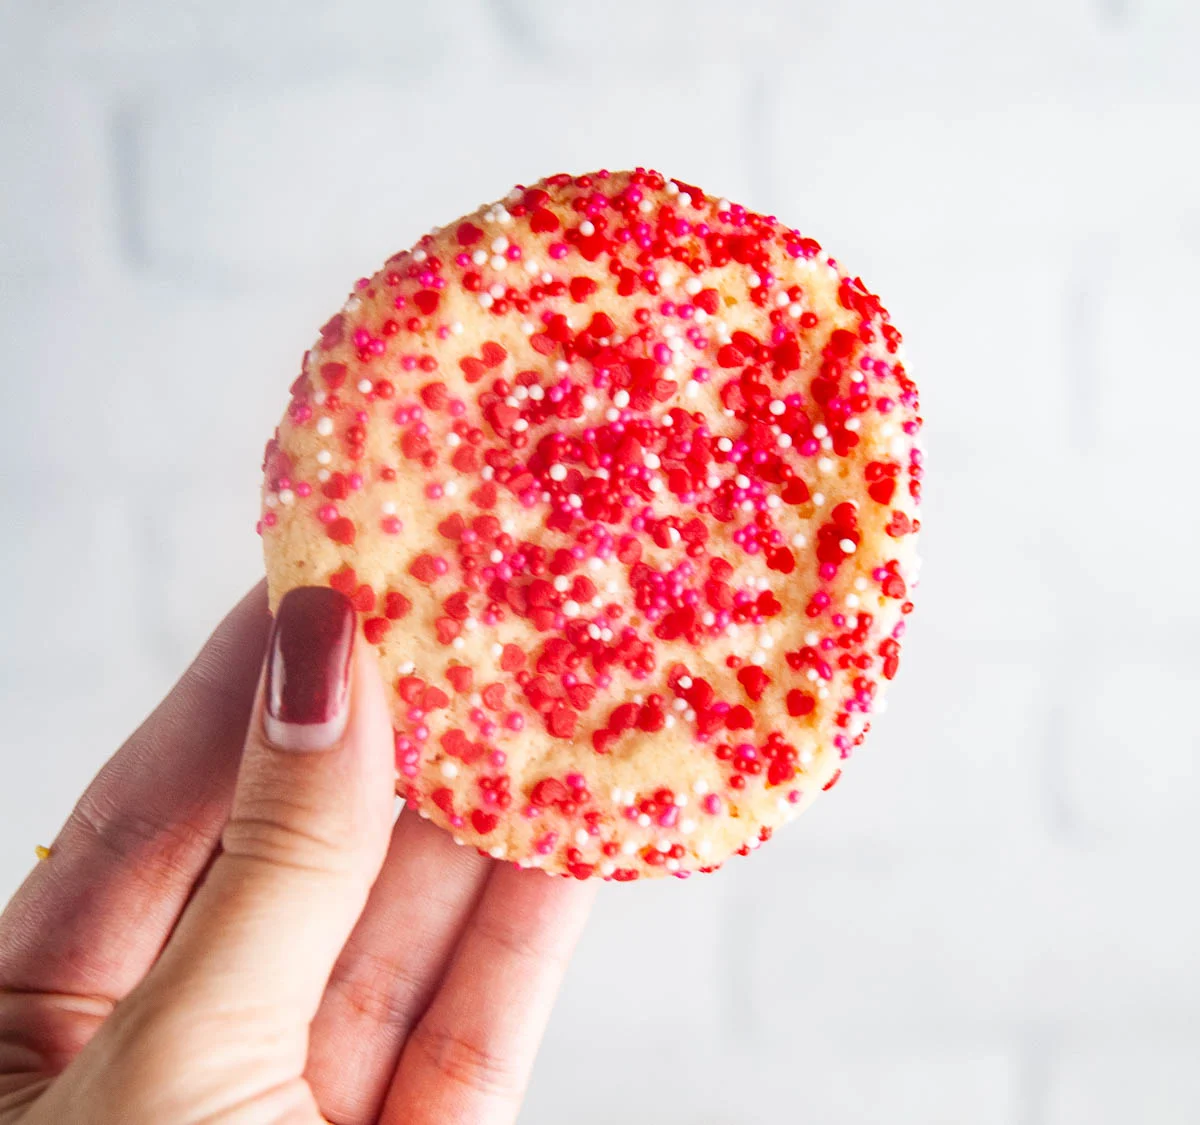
[{"x": 993, "y": 920}]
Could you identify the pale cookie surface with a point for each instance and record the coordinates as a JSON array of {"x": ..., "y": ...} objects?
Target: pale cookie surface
[{"x": 623, "y": 480}]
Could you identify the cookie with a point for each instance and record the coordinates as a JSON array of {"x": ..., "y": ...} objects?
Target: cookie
[{"x": 623, "y": 481}]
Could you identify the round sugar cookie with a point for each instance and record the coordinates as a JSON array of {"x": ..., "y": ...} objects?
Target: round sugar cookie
[{"x": 623, "y": 481}]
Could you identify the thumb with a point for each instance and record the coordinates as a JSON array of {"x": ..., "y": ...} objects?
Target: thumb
[{"x": 308, "y": 830}]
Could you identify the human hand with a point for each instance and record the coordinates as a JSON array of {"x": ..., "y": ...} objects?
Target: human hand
[{"x": 224, "y": 931}]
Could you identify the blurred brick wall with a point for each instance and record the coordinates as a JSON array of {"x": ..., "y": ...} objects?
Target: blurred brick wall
[{"x": 988, "y": 923}]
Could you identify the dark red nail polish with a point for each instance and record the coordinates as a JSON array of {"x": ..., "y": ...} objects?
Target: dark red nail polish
[{"x": 308, "y": 669}]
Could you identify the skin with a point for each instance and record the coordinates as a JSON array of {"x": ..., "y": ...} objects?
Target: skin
[{"x": 229, "y": 933}]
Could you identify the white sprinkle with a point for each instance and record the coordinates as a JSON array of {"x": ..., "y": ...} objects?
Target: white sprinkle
[
  {"x": 498, "y": 262},
  {"x": 499, "y": 245},
  {"x": 777, "y": 406},
  {"x": 724, "y": 444},
  {"x": 852, "y": 601},
  {"x": 672, "y": 865},
  {"x": 704, "y": 847},
  {"x": 558, "y": 472},
  {"x": 692, "y": 286},
  {"x": 486, "y": 300},
  {"x": 630, "y": 846},
  {"x": 644, "y": 820},
  {"x": 571, "y": 608},
  {"x": 860, "y": 583},
  {"x": 645, "y": 206},
  {"x": 773, "y": 501},
  {"x": 323, "y": 474},
  {"x": 687, "y": 827},
  {"x": 820, "y": 430},
  {"x": 854, "y": 425},
  {"x": 324, "y": 426},
  {"x": 419, "y": 255},
  {"x": 497, "y": 852},
  {"x": 699, "y": 787},
  {"x": 818, "y": 498},
  {"x": 581, "y": 837},
  {"x": 520, "y": 425},
  {"x": 287, "y": 497},
  {"x": 449, "y": 769},
  {"x": 453, "y": 440},
  {"x": 479, "y": 257},
  {"x": 621, "y": 399},
  {"x": 407, "y": 668},
  {"x": 741, "y": 480},
  {"x": 812, "y": 674},
  {"x": 324, "y": 457}
]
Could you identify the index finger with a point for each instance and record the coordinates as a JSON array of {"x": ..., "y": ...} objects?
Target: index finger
[
  {"x": 91, "y": 919},
  {"x": 470, "y": 1056}
]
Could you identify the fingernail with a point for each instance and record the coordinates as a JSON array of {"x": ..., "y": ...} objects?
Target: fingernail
[{"x": 308, "y": 669}]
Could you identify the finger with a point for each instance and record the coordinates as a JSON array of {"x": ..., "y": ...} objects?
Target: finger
[
  {"x": 469, "y": 1057},
  {"x": 395, "y": 958},
  {"x": 91, "y": 919},
  {"x": 305, "y": 839}
]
